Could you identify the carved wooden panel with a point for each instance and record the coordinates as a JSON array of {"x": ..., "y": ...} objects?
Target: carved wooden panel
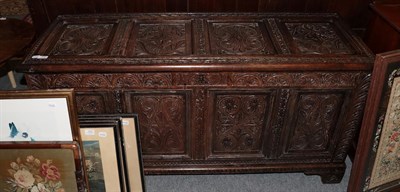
[
  {"x": 94, "y": 102},
  {"x": 154, "y": 39},
  {"x": 198, "y": 39},
  {"x": 164, "y": 123},
  {"x": 317, "y": 38},
  {"x": 237, "y": 121},
  {"x": 239, "y": 38},
  {"x": 313, "y": 126},
  {"x": 83, "y": 40}
]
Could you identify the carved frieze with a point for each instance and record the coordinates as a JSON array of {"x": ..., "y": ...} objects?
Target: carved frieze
[
  {"x": 119, "y": 80},
  {"x": 204, "y": 79},
  {"x": 314, "y": 79},
  {"x": 231, "y": 79}
]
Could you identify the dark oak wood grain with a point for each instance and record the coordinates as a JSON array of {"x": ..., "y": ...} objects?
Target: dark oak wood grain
[{"x": 216, "y": 92}]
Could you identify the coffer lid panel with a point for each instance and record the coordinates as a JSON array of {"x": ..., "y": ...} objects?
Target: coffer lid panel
[{"x": 198, "y": 42}]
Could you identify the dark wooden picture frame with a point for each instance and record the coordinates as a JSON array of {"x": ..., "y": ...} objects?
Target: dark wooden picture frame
[
  {"x": 130, "y": 141},
  {"x": 42, "y": 165},
  {"x": 103, "y": 155},
  {"x": 377, "y": 162},
  {"x": 48, "y": 110}
]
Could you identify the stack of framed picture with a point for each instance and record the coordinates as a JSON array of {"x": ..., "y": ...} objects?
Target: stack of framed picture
[
  {"x": 43, "y": 146},
  {"x": 112, "y": 150}
]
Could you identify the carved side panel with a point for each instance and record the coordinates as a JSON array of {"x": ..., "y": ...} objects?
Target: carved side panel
[
  {"x": 354, "y": 116},
  {"x": 83, "y": 40},
  {"x": 238, "y": 120},
  {"x": 164, "y": 121},
  {"x": 155, "y": 39},
  {"x": 94, "y": 102},
  {"x": 317, "y": 38},
  {"x": 315, "y": 117}
]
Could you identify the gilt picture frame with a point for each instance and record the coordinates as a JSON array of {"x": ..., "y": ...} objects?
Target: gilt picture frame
[
  {"x": 376, "y": 165},
  {"x": 42, "y": 166},
  {"x": 131, "y": 149},
  {"x": 38, "y": 115}
]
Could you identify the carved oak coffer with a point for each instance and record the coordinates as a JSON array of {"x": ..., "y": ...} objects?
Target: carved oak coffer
[{"x": 216, "y": 92}]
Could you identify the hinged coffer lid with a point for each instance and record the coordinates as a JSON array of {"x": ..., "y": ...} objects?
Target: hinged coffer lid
[{"x": 197, "y": 42}]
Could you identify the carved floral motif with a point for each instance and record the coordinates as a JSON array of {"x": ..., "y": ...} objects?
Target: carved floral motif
[
  {"x": 317, "y": 116},
  {"x": 91, "y": 104},
  {"x": 239, "y": 122},
  {"x": 161, "y": 39},
  {"x": 245, "y": 38},
  {"x": 317, "y": 38},
  {"x": 83, "y": 40},
  {"x": 162, "y": 122}
]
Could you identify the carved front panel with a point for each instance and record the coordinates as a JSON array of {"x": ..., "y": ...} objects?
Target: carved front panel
[
  {"x": 314, "y": 121},
  {"x": 238, "y": 120},
  {"x": 162, "y": 39},
  {"x": 94, "y": 102},
  {"x": 317, "y": 38},
  {"x": 83, "y": 40},
  {"x": 238, "y": 38},
  {"x": 164, "y": 121}
]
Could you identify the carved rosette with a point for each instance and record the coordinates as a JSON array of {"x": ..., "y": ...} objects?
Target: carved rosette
[
  {"x": 161, "y": 39},
  {"x": 244, "y": 38},
  {"x": 317, "y": 38},
  {"x": 201, "y": 79},
  {"x": 239, "y": 123},
  {"x": 83, "y": 40},
  {"x": 317, "y": 115},
  {"x": 91, "y": 104}
]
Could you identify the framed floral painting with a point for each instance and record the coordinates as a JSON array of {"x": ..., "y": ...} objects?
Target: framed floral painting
[
  {"x": 38, "y": 115},
  {"x": 42, "y": 166},
  {"x": 376, "y": 165},
  {"x": 103, "y": 156},
  {"x": 131, "y": 149}
]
